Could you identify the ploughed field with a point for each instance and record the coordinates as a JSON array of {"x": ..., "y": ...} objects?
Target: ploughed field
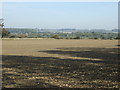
[{"x": 52, "y": 63}]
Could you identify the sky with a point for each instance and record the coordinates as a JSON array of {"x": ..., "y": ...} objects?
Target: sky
[{"x": 55, "y": 15}]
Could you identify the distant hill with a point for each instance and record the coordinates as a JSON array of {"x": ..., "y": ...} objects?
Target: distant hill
[
  {"x": 30, "y": 30},
  {"x": 21, "y": 30},
  {"x": 114, "y": 30}
]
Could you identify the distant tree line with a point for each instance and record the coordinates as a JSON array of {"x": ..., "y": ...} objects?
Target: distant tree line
[{"x": 76, "y": 35}]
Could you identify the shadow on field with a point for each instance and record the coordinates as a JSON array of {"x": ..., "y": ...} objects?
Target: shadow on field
[
  {"x": 24, "y": 71},
  {"x": 104, "y": 55},
  {"x": 50, "y": 72}
]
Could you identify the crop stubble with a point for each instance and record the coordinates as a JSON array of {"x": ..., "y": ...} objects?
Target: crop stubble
[{"x": 44, "y": 63}]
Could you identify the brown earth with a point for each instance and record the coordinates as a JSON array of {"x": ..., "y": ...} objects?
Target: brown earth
[{"x": 52, "y": 63}]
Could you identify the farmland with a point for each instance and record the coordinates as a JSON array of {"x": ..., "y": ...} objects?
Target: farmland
[{"x": 55, "y": 63}]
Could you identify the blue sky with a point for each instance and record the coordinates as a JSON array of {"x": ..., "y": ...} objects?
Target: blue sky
[{"x": 54, "y": 15}]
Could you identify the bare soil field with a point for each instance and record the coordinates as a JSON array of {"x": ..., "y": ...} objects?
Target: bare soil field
[{"x": 52, "y": 63}]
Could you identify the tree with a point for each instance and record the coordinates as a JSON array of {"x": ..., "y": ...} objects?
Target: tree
[
  {"x": 22, "y": 36},
  {"x": 5, "y": 33},
  {"x": 77, "y": 37},
  {"x": 55, "y": 36},
  {"x": 12, "y": 36},
  {"x": 117, "y": 38}
]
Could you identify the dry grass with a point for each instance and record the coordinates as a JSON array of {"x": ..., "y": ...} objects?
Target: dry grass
[{"x": 50, "y": 63}]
